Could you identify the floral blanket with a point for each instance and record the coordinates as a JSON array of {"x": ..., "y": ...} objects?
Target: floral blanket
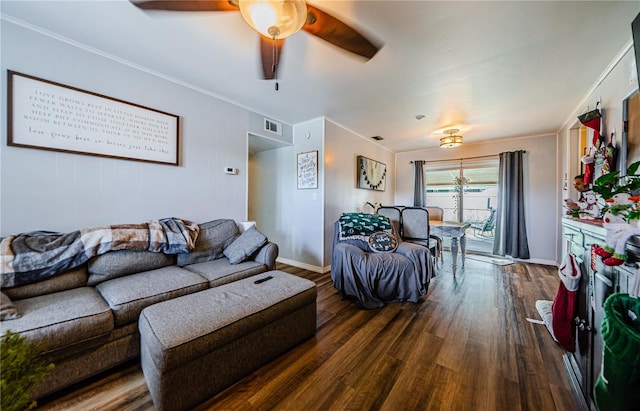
[{"x": 35, "y": 256}]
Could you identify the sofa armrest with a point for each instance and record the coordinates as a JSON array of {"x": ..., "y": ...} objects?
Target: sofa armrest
[{"x": 267, "y": 255}]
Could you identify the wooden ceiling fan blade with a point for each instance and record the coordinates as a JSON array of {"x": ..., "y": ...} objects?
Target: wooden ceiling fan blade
[
  {"x": 188, "y": 5},
  {"x": 270, "y": 51},
  {"x": 329, "y": 28}
]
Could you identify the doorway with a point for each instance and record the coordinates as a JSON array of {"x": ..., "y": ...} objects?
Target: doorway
[
  {"x": 467, "y": 191},
  {"x": 263, "y": 188}
]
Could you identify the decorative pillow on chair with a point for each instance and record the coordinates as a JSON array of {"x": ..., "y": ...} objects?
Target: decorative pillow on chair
[
  {"x": 382, "y": 242},
  {"x": 244, "y": 246},
  {"x": 8, "y": 311}
]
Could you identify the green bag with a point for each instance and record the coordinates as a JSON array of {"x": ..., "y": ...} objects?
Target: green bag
[{"x": 618, "y": 386}]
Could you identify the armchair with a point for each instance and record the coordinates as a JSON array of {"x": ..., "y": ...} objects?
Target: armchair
[
  {"x": 372, "y": 278},
  {"x": 486, "y": 226}
]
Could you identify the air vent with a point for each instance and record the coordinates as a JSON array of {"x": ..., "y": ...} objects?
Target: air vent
[
  {"x": 272, "y": 126},
  {"x": 377, "y": 138}
]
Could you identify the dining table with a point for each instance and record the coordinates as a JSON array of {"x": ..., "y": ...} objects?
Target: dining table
[{"x": 456, "y": 231}]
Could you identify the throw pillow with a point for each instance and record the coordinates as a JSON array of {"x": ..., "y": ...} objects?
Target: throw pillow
[
  {"x": 8, "y": 310},
  {"x": 244, "y": 246},
  {"x": 213, "y": 238},
  {"x": 382, "y": 242}
]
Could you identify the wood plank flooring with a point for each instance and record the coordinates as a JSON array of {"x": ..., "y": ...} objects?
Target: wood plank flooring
[{"x": 466, "y": 346}]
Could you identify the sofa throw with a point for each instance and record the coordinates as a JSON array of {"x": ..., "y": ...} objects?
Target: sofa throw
[
  {"x": 356, "y": 228},
  {"x": 35, "y": 256},
  {"x": 361, "y": 225}
]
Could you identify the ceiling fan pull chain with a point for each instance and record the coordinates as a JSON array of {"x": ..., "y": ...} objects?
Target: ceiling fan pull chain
[{"x": 274, "y": 66}]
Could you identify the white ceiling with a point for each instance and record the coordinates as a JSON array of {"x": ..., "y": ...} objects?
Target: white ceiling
[{"x": 492, "y": 69}]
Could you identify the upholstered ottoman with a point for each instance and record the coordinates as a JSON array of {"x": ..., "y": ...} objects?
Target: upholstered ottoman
[{"x": 196, "y": 345}]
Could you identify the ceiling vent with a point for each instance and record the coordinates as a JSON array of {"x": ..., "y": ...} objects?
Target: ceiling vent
[
  {"x": 377, "y": 138},
  {"x": 273, "y": 126}
]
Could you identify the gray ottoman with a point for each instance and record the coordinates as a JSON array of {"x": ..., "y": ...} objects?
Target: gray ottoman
[{"x": 194, "y": 346}]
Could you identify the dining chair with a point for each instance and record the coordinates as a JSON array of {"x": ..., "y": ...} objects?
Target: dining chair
[
  {"x": 393, "y": 214},
  {"x": 414, "y": 227},
  {"x": 437, "y": 214}
]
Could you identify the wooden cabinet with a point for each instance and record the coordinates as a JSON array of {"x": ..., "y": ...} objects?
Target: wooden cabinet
[{"x": 597, "y": 283}]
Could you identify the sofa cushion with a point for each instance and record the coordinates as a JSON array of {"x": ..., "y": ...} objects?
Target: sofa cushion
[
  {"x": 221, "y": 271},
  {"x": 128, "y": 295},
  {"x": 116, "y": 264},
  {"x": 214, "y": 237},
  {"x": 244, "y": 246},
  {"x": 8, "y": 310},
  {"x": 62, "y": 319},
  {"x": 66, "y": 281}
]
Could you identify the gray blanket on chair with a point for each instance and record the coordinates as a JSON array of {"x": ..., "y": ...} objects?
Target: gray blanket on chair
[
  {"x": 35, "y": 256},
  {"x": 373, "y": 279}
]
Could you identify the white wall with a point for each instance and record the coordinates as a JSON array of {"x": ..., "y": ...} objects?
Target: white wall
[
  {"x": 540, "y": 177},
  {"x": 63, "y": 192},
  {"x": 342, "y": 147},
  {"x": 290, "y": 217}
]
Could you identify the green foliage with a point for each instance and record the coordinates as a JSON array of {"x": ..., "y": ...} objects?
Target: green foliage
[
  {"x": 21, "y": 369},
  {"x": 611, "y": 184}
]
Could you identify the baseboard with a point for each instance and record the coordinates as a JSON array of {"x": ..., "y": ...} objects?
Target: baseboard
[{"x": 314, "y": 268}]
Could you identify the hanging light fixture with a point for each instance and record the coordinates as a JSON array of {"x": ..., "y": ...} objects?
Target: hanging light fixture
[
  {"x": 274, "y": 19},
  {"x": 451, "y": 140}
]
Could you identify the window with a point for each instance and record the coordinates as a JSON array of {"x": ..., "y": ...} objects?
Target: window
[{"x": 466, "y": 191}]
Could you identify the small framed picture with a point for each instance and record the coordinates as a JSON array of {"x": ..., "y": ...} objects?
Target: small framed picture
[{"x": 308, "y": 170}]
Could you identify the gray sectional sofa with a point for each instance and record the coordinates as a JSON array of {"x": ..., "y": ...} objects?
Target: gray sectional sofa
[{"x": 86, "y": 319}]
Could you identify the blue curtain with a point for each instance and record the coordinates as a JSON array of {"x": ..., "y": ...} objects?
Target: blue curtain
[
  {"x": 418, "y": 186},
  {"x": 511, "y": 230}
]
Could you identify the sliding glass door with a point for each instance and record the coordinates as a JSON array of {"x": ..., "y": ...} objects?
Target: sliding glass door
[{"x": 466, "y": 191}]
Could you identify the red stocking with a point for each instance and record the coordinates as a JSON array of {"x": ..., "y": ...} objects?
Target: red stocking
[
  {"x": 564, "y": 305},
  {"x": 592, "y": 121},
  {"x": 594, "y": 124}
]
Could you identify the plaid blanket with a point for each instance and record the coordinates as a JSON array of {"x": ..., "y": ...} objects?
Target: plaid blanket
[
  {"x": 35, "y": 256},
  {"x": 361, "y": 225}
]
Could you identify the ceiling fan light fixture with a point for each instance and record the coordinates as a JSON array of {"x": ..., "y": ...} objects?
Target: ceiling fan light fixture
[
  {"x": 451, "y": 140},
  {"x": 274, "y": 18}
]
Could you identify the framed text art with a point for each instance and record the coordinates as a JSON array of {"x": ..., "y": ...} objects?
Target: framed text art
[
  {"x": 308, "y": 170},
  {"x": 51, "y": 116},
  {"x": 372, "y": 175}
]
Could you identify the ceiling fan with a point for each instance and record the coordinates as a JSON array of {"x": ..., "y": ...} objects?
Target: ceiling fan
[{"x": 275, "y": 20}]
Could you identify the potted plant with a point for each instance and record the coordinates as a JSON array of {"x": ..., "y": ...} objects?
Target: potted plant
[
  {"x": 22, "y": 368},
  {"x": 621, "y": 212},
  {"x": 610, "y": 184}
]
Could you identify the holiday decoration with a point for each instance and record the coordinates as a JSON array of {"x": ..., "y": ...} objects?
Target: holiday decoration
[
  {"x": 589, "y": 207},
  {"x": 564, "y": 305},
  {"x": 591, "y": 119},
  {"x": 617, "y": 385},
  {"x": 622, "y": 212}
]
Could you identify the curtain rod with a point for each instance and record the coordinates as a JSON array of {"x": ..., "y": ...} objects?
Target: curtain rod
[{"x": 462, "y": 158}]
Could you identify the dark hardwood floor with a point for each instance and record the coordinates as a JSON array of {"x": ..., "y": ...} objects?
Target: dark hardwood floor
[{"x": 466, "y": 346}]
